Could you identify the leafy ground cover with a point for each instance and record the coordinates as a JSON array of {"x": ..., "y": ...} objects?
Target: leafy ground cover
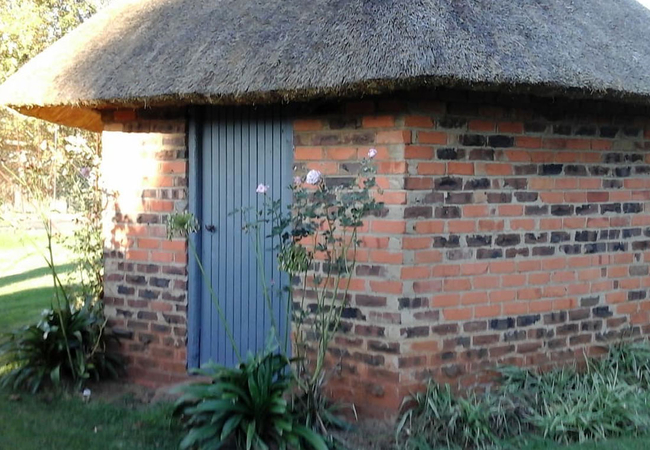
[
  {"x": 64, "y": 422},
  {"x": 25, "y": 280}
]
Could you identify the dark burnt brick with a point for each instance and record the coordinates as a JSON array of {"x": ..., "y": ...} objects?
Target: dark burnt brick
[
  {"x": 526, "y": 169},
  {"x": 478, "y": 240},
  {"x": 646, "y": 231},
  {"x": 460, "y": 341},
  {"x": 518, "y": 184},
  {"x": 447, "y": 212},
  {"x": 642, "y": 170},
  {"x": 515, "y": 335},
  {"x": 562, "y": 129},
  {"x": 602, "y": 312},
  {"x": 124, "y": 313},
  {"x": 636, "y": 295},
  {"x": 502, "y": 324},
  {"x": 610, "y": 234},
  {"x": 472, "y": 140},
  {"x": 481, "y": 154},
  {"x": 541, "y": 333},
  {"x": 384, "y": 347},
  {"x": 560, "y": 236},
  {"x": 543, "y": 251},
  {"x": 617, "y": 247},
  {"x": 148, "y": 268},
  {"x": 499, "y": 197},
  {"x": 450, "y": 153},
  {"x": 405, "y": 362},
  {"x": 580, "y": 339},
  {"x": 352, "y": 313},
  {"x": 171, "y": 318},
  {"x": 413, "y": 212},
  {"x": 339, "y": 123},
  {"x": 527, "y": 320},
  {"x": 448, "y": 183},
  {"x": 535, "y": 127},
  {"x": 561, "y": 210},
  {"x": 555, "y": 318},
  {"x": 452, "y": 122},
  {"x": 579, "y": 314},
  {"x": 473, "y": 327},
  {"x": 613, "y": 158},
  {"x": 586, "y": 236},
  {"x": 459, "y": 254},
  {"x": 586, "y": 130},
  {"x": 486, "y": 339},
  {"x": 607, "y": 131},
  {"x": 573, "y": 170},
  {"x": 148, "y": 218},
  {"x": 147, "y": 315},
  {"x": 550, "y": 169},
  {"x": 632, "y": 208},
  {"x": 599, "y": 171},
  {"x": 631, "y": 131},
  {"x": 501, "y": 141},
  {"x": 612, "y": 184},
  {"x": 616, "y": 322},
  {"x": 536, "y": 210},
  {"x": 371, "y": 360},
  {"x": 591, "y": 325},
  {"x": 125, "y": 290},
  {"x": 507, "y": 240},
  {"x": 370, "y": 330},
  {"x": 587, "y": 302},
  {"x": 477, "y": 183},
  {"x": 431, "y": 315},
  {"x": 159, "y": 282},
  {"x": 568, "y": 328},
  {"x": 174, "y": 270},
  {"x": 622, "y": 172},
  {"x": 489, "y": 253},
  {"x": 160, "y": 328},
  {"x": 448, "y": 356},
  {"x": 136, "y": 279},
  {"x": 599, "y": 247},
  {"x": 412, "y": 303},
  {"x": 532, "y": 238},
  {"x": 514, "y": 252},
  {"x": 447, "y": 328},
  {"x": 414, "y": 332},
  {"x": 122, "y": 333},
  {"x": 366, "y": 270},
  {"x": 634, "y": 157},
  {"x": 585, "y": 210},
  {"x": 434, "y": 197},
  {"x": 641, "y": 245},
  {"x": 610, "y": 208},
  {"x": 452, "y": 241},
  {"x": 524, "y": 197},
  {"x": 572, "y": 249},
  {"x": 459, "y": 198},
  {"x": 453, "y": 371}
]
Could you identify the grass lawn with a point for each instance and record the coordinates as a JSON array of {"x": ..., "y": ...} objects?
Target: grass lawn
[
  {"x": 25, "y": 280},
  {"x": 68, "y": 423}
]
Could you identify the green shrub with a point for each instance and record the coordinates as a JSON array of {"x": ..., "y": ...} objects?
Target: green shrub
[
  {"x": 245, "y": 405},
  {"x": 609, "y": 398},
  {"x": 66, "y": 347}
]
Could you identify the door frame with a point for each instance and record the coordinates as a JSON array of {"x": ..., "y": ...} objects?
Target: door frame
[{"x": 195, "y": 121}]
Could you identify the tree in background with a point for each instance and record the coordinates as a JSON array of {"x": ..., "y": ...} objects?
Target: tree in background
[{"x": 52, "y": 161}]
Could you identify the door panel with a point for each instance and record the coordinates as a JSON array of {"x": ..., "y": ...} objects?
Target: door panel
[{"x": 241, "y": 148}]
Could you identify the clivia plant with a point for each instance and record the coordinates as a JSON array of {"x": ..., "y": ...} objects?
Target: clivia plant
[{"x": 316, "y": 241}]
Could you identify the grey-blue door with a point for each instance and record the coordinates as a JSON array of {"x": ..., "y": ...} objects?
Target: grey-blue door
[{"x": 241, "y": 148}]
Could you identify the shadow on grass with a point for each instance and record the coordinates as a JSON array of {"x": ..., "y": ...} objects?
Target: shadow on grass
[{"x": 32, "y": 274}]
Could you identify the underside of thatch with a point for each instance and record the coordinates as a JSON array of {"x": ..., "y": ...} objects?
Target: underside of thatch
[{"x": 162, "y": 52}]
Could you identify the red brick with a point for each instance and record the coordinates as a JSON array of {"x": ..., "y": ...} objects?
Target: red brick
[
  {"x": 418, "y": 121},
  {"x": 432, "y": 137},
  {"x": 378, "y": 122},
  {"x": 307, "y": 125},
  {"x": 431, "y": 168}
]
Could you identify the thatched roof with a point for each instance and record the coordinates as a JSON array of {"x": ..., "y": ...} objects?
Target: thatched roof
[{"x": 155, "y": 52}]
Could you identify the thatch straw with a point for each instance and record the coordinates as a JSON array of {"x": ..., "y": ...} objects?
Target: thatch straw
[{"x": 249, "y": 51}]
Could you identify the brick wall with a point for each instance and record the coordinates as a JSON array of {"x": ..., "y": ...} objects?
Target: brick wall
[
  {"x": 145, "y": 165},
  {"x": 517, "y": 230}
]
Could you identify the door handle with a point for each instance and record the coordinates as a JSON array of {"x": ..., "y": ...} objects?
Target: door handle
[{"x": 211, "y": 228}]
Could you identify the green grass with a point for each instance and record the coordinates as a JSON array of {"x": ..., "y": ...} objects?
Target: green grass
[
  {"x": 25, "y": 280},
  {"x": 610, "y": 444},
  {"x": 68, "y": 423}
]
